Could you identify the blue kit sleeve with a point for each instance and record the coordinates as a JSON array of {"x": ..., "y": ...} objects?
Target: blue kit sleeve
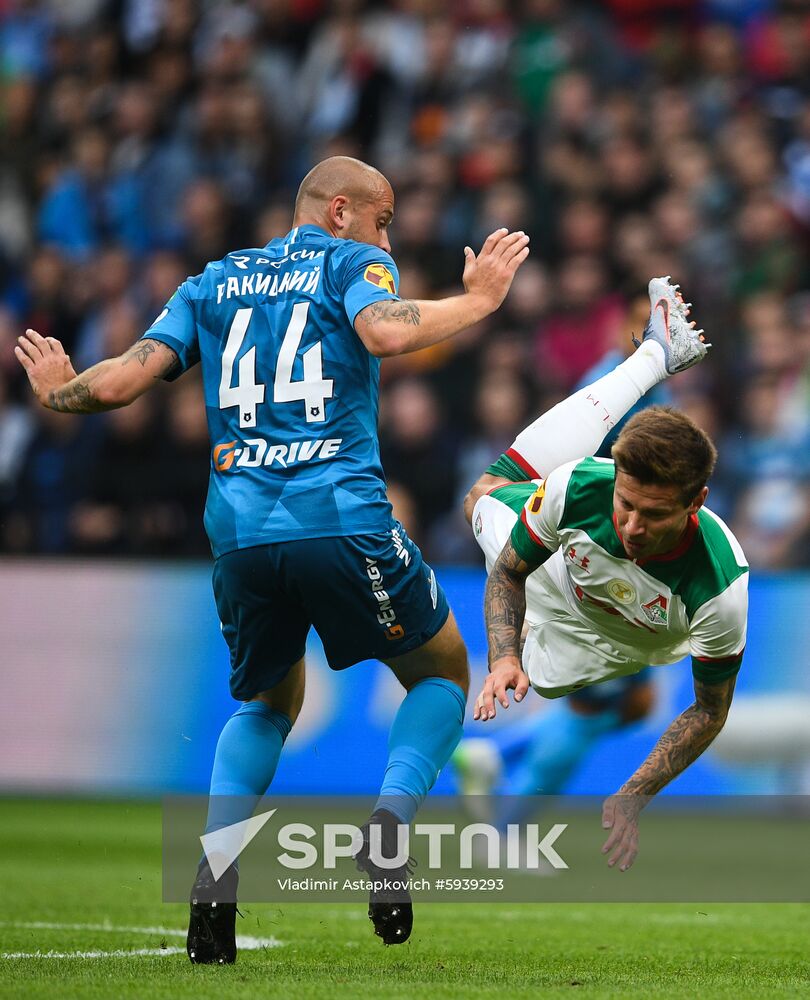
[
  {"x": 176, "y": 326},
  {"x": 369, "y": 275}
]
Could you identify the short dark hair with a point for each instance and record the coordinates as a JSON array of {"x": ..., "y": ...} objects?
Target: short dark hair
[{"x": 663, "y": 447}]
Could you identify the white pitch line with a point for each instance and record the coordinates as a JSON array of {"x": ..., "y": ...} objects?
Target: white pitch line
[
  {"x": 118, "y": 953},
  {"x": 244, "y": 941},
  {"x": 45, "y": 925}
]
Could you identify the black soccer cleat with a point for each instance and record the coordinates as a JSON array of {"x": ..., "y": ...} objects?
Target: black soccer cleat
[
  {"x": 212, "y": 921},
  {"x": 389, "y": 901}
]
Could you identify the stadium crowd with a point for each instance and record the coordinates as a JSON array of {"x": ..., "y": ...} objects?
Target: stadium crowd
[{"x": 142, "y": 138}]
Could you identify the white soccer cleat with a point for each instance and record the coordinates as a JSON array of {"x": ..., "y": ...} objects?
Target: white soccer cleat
[{"x": 669, "y": 326}]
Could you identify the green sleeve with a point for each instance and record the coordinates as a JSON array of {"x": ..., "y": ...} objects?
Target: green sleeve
[
  {"x": 507, "y": 469},
  {"x": 527, "y": 545},
  {"x": 716, "y": 671}
]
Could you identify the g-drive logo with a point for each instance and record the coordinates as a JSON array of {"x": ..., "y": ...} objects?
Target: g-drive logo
[
  {"x": 253, "y": 452},
  {"x": 302, "y": 846}
]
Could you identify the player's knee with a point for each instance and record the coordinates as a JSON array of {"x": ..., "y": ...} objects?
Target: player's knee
[
  {"x": 289, "y": 707},
  {"x": 445, "y": 656},
  {"x": 288, "y": 695},
  {"x": 451, "y": 666},
  {"x": 456, "y": 668},
  {"x": 451, "y": 659}
]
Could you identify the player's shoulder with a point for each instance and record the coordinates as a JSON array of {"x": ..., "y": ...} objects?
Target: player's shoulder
[
  {"x": 354, "y": 251},
  {"x": 722, "y": 553},
  {"x": 236, "y": 261},
  {"x": 584, "y": 490},
  {"x": 593, "y": 470},
  {"x": 190, "y": 289},
  {"x": 586, "y": 482},
  {"x": 353, "y": 263},
  {"x": 713, "y": 572},
  {"x": 234, "y": 264}
]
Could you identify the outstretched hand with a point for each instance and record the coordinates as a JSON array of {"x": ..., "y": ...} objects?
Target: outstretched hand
[
  {"x": 490, "y": 274},
  {"x": 506, "y": 676},
  {"x": 45, "y": 363},
  {"x": 620, "y": 816}
]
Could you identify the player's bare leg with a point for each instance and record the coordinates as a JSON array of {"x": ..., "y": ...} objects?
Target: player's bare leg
[
  {"x": 211, "y": 936},
  {"x": 288, "y": 695},
  {"x": 445, "y": 655},
  {"x": 425, "y": 732}
]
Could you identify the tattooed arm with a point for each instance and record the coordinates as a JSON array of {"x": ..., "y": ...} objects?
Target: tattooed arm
[
  {"x": 504, "y": 612},
  {"x": 683, "y": 742},
  {"x": 108, "y": 385},
  {"x": 685, "y": 739},
  {"x": 398, "y": 326}
]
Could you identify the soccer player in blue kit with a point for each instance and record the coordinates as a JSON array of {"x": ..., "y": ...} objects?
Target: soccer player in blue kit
[{"x": 289, "y": 337}]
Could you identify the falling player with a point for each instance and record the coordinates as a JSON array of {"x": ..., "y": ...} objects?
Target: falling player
[{"x": 614, "y": 564}]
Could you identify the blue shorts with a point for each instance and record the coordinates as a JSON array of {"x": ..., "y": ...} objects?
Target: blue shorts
[{"x": 367, "y": 597}]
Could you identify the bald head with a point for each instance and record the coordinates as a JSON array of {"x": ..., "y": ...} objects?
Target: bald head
[
  {"x": 348, "y": 198},
  {"x": 335, "y": 176}
]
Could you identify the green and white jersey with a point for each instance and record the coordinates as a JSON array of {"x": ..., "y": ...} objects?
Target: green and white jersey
[{"x": 618, "y": 614}]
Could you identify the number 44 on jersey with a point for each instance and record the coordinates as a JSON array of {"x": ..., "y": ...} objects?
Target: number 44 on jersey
[{"x": 248, "y": 394}]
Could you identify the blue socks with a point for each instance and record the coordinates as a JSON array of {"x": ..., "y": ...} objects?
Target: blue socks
[
  {"x": 247, "y": 755},
  {"x": 424, "y": 734},
  {"x": 559, "y": 741}
]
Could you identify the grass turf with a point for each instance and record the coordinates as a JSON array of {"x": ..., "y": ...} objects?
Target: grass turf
[{"x": 85, "y": 877}]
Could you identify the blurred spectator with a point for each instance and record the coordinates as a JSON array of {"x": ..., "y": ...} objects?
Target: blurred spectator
[
  {"x": 417, "y": 452},
  {"x": 58, "y": 464},
  {"x": 529, "y": 298},
  {"x": 769, "y": 461},
  {"x": 138, "y": 141},
  {"x": 584, "y": 324},
  {"x": 121, "y": 513},
  {"x": 87, "y": 204},
  {"x": 501, "y": 410},
  {"x": 183, "y": 467},
  {"x": 207, "y": 223},
  {"x": 403, "y": 508},
  {"x": 768, "y": 257},
  {"x": 17, "y": 427}
]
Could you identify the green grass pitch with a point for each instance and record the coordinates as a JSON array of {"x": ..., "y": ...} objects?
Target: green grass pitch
[{"x": 80, "y": 887}]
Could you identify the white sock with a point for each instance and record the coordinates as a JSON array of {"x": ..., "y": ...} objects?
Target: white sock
[{"x": 577, "y": 426}]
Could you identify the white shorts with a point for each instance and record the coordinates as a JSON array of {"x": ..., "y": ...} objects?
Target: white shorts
[{"x": 561, "y": 654}]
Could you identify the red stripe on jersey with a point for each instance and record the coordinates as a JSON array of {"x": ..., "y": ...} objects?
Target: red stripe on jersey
[
  {"x": 683, "y": 545},
  {"x": 534, "y": 537},
  {"x": 685, "y": 541},
  {"x": 497, "y": 486},
  {"x": 720, "y": 659}
]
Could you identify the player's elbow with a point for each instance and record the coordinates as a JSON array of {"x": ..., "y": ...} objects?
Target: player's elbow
[
  {"x": 714, "y": 720},
  {"x": 484, "y": 484},
  {"x": 469, "y": 505},
  {"x": 471, "y": 499},
  {"x": 113, "y": 393},
  {"x": 383, "y": 340}
]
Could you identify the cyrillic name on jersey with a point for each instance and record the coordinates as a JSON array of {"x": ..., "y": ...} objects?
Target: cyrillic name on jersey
[{"x": 269, "y": 285}]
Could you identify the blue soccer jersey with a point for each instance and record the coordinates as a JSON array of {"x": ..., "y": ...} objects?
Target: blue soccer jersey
[{"x": 291, "y": 392}]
